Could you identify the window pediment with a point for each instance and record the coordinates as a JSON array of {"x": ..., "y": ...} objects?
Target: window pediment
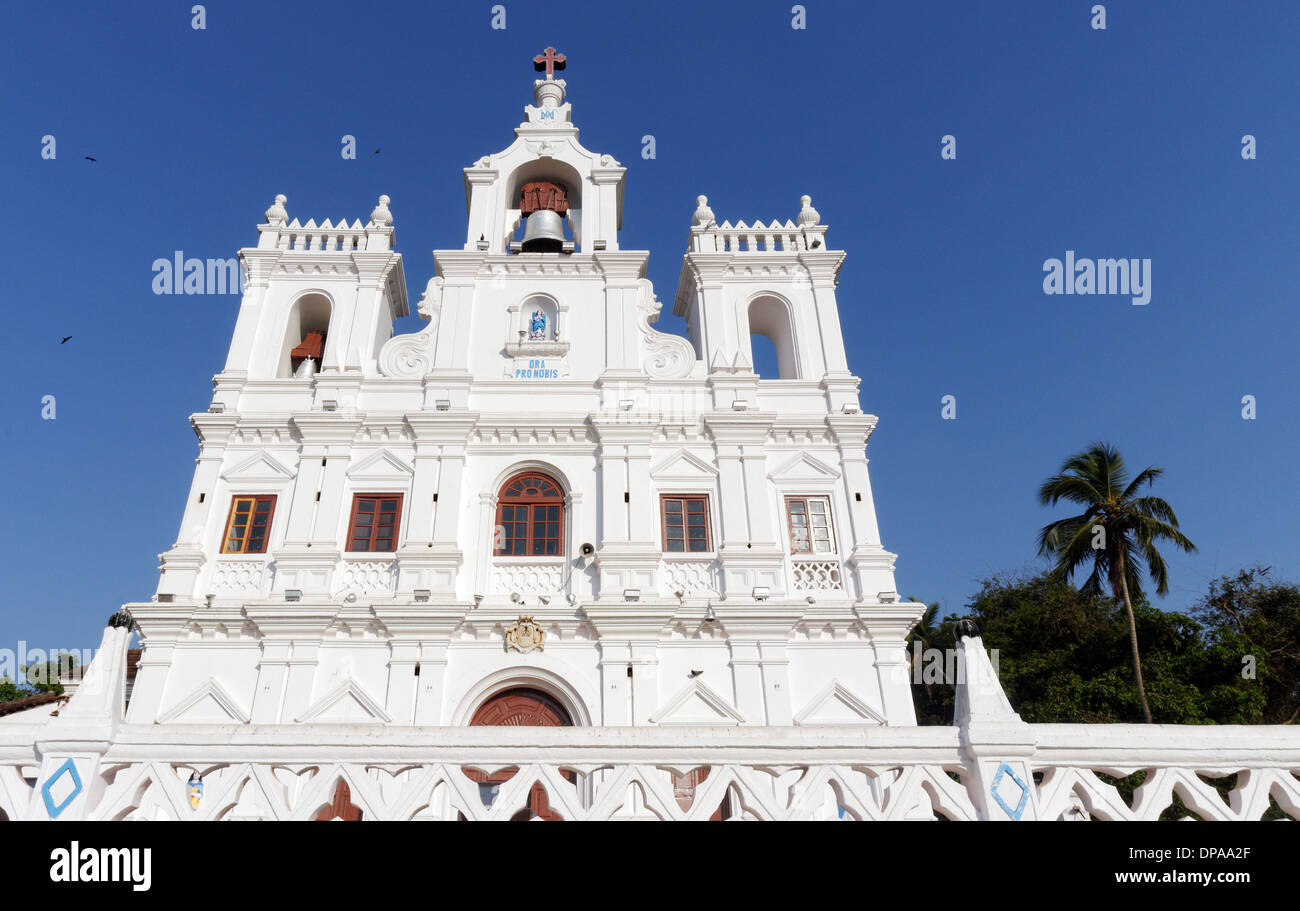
[
  {"x": 261, "y": 468},
  {"x": 683, "y": 465},
  {"x": 805, "y": 467},
  {"x": 380, "y": 466}
]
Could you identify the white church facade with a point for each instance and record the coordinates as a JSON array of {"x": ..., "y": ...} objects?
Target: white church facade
[
  {"x": 536, "y": 560},
  {"x": 371, "y": 515}
]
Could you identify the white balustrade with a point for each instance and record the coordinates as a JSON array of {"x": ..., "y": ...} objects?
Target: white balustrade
[
  {"x": 806, "y": 773},
  {"x": 812, "y": 575},
  {"x": 242, "y": 577},
  {"x": 694, "y": 578},
  {"x": 367, "y": 576},
  {"x": 776, "y": 237},
  {"x": 322, "y": 237},
  {"x": 527, "y": 576}
]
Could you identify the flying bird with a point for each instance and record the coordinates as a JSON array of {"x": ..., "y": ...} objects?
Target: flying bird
[
  {"x": 376, "y": 152},
  {"x": 88, "y": 158},
  {"x": 65, "y": 340}
]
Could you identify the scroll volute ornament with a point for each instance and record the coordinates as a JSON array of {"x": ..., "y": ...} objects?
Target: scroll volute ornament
[{"x": 542, "y": 194}]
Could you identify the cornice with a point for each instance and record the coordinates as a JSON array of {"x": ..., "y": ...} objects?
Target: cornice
[
  {"x": 325, "y": 427},
  {"x": 213, "y": 428},
  {"x": 822, "y": 265},
  {"x": 441, "y": 426},
  {"x": 852, "y": 429},
  {"x": 740, "y": 426}
]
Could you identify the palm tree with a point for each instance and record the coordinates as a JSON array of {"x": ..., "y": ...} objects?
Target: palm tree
[{"x": 1117, "y": 532}]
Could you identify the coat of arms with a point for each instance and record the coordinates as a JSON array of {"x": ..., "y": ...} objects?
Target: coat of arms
[{"x": 524, "y": 635}]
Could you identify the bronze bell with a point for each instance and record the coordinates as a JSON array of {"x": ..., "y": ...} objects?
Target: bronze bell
[{"x": 544, "y": 232}]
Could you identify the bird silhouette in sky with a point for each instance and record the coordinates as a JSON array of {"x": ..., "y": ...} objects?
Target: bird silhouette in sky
[
  {"x": 88, "y": 158},
  {"x": 377, "y": 151},
  {"x": 65, "y": 340}
]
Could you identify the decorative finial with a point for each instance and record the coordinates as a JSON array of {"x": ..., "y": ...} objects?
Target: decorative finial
[
  {"x": 548, "y": 93},
  {"x": 381, "y": 216},
  {"x": 703, "y": 216},
  {"x": 276, "y": 215},
  {"x": 808, "y": 216}
]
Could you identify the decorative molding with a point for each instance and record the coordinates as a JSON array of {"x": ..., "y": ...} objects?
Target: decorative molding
[
  {"x": 694, "y": 466},
  {"x": 349, "y": 689},
  {"x": 411, "y": 356},
  {"x": 667, "y": 357},
  {"x": 804, "y": 467},
  {"x": 209, "y": 690},
  {"x": 525, "y": 636},
  {"x": 261, "y": 468},
  {"x": 537, "y": 348},
  {"x": 372, "y": 468},
  {"x": 695, "y": 693},
  {"x": 834, "y": 696}
]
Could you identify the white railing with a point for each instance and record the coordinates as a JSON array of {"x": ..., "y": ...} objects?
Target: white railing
[
  {"x": 775, "y": 237},
  {"x": 816, "y": 575},
  {"x": 322, "y": 237},
  {"x": 245, "y": 577},
  {"x": 760, "y": 773},
  {"x": 527, "y": 576},
  {"x": 367, "y": 577},
  {"x": 693, "y": 578}
]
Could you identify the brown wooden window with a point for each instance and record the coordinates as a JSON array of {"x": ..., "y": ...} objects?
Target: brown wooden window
[
  {"x": 530, "y": 517},
  {"x": 810, "y": 525},
  {"x": 375, "y": 520},
  {"x": 686, "y": 523},
  {"x": 249, "y": 525}
]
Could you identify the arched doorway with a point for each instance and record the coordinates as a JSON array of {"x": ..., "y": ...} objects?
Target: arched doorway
[{"x": 525, "y": 707}]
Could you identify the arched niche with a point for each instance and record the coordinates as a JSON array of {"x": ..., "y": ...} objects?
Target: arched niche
[
  {"x": 309, "y": 314},
  {"x": 549, "y": 169},
  {"x": 533, "y": 307},
  {"x": 769, "y": 317}
]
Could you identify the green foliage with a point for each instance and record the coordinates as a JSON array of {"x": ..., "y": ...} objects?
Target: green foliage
[
  {"x": 1252, "y": 617},
  {"x": 1063, "y": 656},
  {"x": 40, "y": 677}
]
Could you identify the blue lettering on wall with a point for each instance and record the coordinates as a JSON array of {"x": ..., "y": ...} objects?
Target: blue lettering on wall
[{"x": 537, "y": 370}]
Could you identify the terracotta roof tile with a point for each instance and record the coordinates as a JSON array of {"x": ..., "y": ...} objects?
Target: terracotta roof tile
[{"x": 29, "y": 702}]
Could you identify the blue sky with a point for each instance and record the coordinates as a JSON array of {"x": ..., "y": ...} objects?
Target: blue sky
[{"x": 1117, "y": 143}]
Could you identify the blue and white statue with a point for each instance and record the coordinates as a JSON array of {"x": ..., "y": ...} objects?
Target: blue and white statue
[{"x": 537, "y": 326}]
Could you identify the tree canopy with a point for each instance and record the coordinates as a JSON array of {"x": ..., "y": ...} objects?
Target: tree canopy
[{"x": 1062, "y": 654}]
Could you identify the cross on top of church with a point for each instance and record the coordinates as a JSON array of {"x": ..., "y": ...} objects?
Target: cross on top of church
[{"x": 550, "y": 61}]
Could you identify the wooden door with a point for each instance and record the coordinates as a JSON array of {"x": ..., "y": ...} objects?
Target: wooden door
[{"x": 521, "y": 706}]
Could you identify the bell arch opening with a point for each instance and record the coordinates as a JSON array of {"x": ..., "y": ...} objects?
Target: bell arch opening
[
  {"x": 769, "y": 320},
  {"x": 544, "y": 201},
  {"x": 305, "y": 334}
]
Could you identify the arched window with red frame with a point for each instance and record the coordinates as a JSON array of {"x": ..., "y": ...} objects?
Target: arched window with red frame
[{"x": 530, "y": 517}]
